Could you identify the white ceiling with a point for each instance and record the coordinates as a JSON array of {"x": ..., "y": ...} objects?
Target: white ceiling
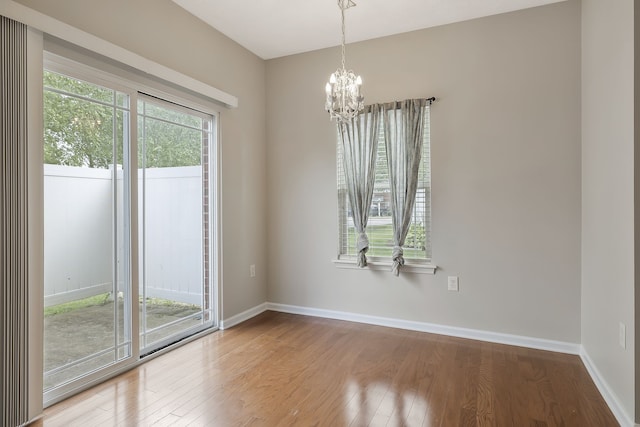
[{"x": 274, "y": 28}]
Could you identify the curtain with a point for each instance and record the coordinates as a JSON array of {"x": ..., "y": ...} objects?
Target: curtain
[
  {"x": 13, "y": 223},
  {"x": 403, "y": 137},
  {"x": 359, "y": 139}
]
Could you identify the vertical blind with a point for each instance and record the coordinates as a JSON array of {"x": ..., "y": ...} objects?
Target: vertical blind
[{"x": 13, "y": 223}]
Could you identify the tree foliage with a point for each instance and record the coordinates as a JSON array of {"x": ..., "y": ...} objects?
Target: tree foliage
[
  {"x": 167, "y": 145},
  {"x": 87, "y": 125}
]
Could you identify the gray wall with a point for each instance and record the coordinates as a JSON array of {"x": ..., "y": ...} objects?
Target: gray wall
[
  {"x": 607, "y": 191},
  {"x": 506, "y": 174},
  {"x": 163, "y": 32}
]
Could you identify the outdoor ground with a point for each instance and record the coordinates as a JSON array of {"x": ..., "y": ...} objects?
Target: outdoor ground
[{"x": 81, "y": 328}]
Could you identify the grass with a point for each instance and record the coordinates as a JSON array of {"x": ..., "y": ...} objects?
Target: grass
[
  {"x": 77, "y": 304},
  {"x": 102, "y": 299},
  {"x": 381, "y": 243},
  {"x": 168, "y": 303}
]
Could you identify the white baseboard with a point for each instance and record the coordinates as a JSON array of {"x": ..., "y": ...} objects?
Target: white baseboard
[
  {"x": 608, "y": 395},
  {"x": 241, "y": 317},
  {"x": 521, "y": 341}
]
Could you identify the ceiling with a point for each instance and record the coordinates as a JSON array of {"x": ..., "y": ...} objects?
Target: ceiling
[{"x": 275, "y": 28}]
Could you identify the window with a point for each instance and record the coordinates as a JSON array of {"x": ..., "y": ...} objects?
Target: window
[{"x": 417, "y": 247}]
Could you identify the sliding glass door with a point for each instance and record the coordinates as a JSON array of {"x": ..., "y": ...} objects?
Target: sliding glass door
[
  {"x": 129, "y": 214},
  {"x": 174, "y": 210},
  {"x": 87, "y": 315}
]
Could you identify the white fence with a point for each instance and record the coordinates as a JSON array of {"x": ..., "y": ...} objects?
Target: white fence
[
  {"x": 79, "y": 233},
  {"x": 173, "y": 233}
]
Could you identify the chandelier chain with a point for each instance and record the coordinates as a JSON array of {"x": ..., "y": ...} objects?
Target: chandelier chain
[{"x": 342, "y": 8}]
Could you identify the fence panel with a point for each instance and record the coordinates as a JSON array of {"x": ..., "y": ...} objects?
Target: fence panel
[{"x": 78, "y": 240}]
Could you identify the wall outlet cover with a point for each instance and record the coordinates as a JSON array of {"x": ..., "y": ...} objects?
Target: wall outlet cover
[
  {"x": 622, "y": 335},
  {"x": 453, "y": 283}
]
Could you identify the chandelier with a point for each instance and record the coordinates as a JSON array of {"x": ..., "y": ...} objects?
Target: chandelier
[{"x": 344, "y": 100}]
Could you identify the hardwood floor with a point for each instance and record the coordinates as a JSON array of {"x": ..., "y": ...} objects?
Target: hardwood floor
[{"x": 286, "y": 370}]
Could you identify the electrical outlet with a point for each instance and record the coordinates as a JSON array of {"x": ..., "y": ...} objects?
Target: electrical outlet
[
  {"x": 252, "y": 270},
  {"x": 622, "y": 335},
  {"x": 453, "y": 284}
]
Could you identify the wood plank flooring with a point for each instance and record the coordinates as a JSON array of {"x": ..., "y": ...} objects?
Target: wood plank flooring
[{"x": 286, "y": 370}]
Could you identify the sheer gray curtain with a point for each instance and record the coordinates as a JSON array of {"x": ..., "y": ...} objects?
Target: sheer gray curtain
[
  {"x": 403, "y": 136},
  {"x": 359, "y": 139},
  {"x": 14, "y": 258}
]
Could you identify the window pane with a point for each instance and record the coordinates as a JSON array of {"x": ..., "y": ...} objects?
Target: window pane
[
  {"x": 86, "y": 317},
  {"x": 77, "y": 87},
  {"x": 168, "y": 144},
  {"x": 77, "y": 132},
  {"x": 173, "y": 115}
]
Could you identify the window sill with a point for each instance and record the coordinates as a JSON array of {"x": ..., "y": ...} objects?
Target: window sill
[{"x": 386, "y": 266}]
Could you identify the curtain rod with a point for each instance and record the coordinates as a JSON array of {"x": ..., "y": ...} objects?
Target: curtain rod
[{"x": 429, "y": 100}]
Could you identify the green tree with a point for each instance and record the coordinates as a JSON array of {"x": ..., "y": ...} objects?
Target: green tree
[
  {"x": 83, "y": 123},
  {"x": 164, "y": 140},
  {"x": 78, "y": 131}
]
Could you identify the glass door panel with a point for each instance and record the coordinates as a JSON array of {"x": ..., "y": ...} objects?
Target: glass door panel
[
  {"x": 173, "y": 195},
  {"x": 86, "y": 279}
]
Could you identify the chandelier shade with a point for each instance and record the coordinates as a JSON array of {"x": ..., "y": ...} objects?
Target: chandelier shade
[{"x": 344, "y": 100}]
